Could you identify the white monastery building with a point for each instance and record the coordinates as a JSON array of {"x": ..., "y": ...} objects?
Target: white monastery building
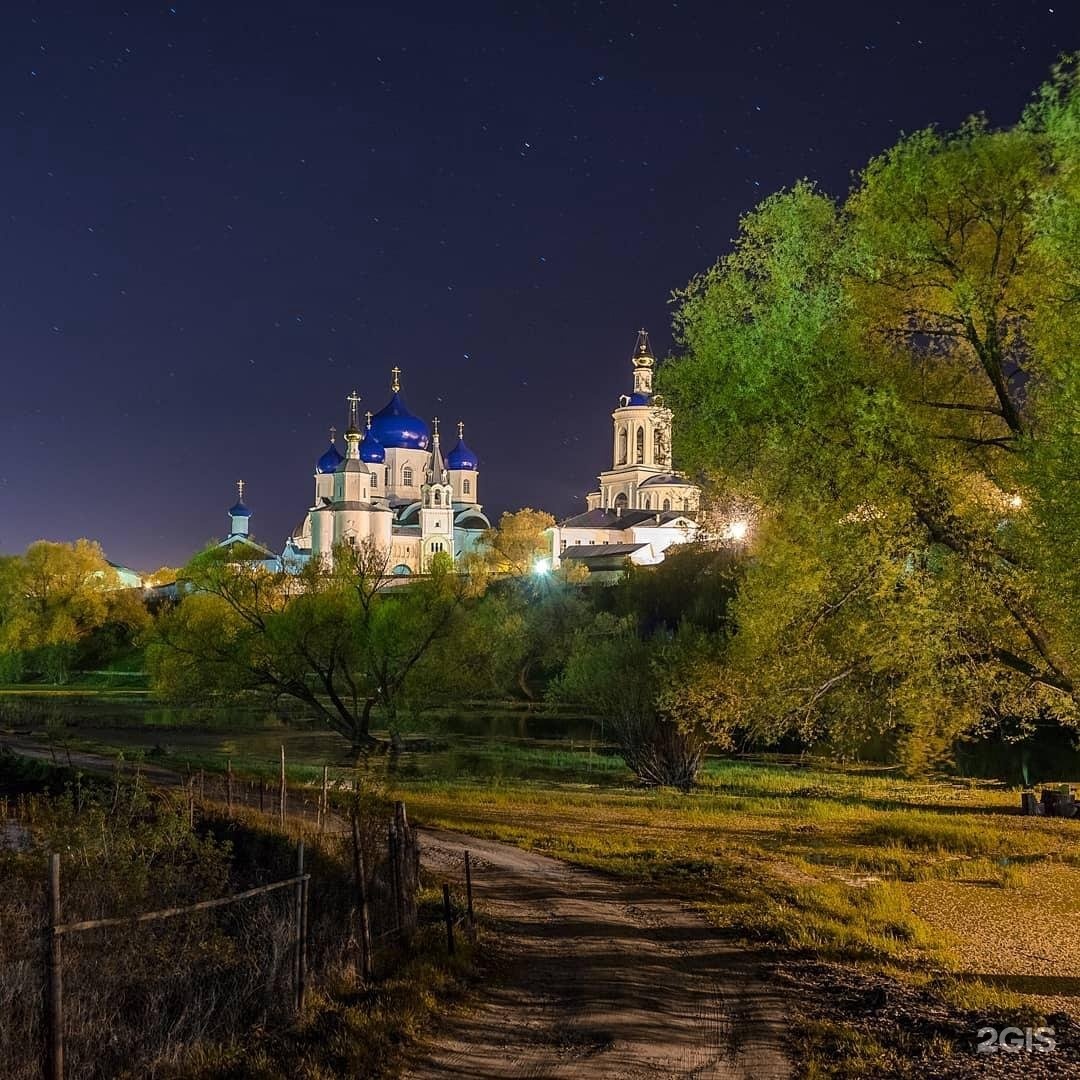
[
  {"x": 392, "y": 484},
  {"x": 643, "y": 505}
]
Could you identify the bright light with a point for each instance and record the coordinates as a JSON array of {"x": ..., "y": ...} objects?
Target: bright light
[
  {"x": 542, "y": 567},
  {"x": 737, "y": 530},
  {"x": 1016, "y": 502}
]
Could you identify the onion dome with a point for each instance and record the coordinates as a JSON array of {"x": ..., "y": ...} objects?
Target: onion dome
[
  {"x": 461, "y": 457},
  {"x": 371, "y": 450},
  {"x": 329, "y": 462},
  {"x": 239, "y": 510},
  {"x": 639, "y": 399},
  {"x": 397, "y": 428}
]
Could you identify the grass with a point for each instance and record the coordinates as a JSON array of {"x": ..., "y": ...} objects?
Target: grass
[{"x": 896, "y": 878}]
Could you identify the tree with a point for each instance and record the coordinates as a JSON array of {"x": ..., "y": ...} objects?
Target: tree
[
  {"x": 51, "y": 598},
  {"x": 632, "y": 683},
  {"x": 520, "y": 540},
  {"x": 340, "y": 640},
  {"x": 882, "y": 378}
]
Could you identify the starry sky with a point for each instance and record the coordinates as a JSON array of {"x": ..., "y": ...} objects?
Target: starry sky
[{"x": 217, "y": 218}]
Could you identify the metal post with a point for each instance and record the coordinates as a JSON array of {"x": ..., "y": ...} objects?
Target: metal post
[
  {"x": 448, "y": 914},
  {"x": 54, "y": 1066}
]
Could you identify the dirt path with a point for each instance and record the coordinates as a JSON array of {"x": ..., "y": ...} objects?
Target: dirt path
[
  {"x": 598, "y": 978},
  {"x": 592, "y": 977}
]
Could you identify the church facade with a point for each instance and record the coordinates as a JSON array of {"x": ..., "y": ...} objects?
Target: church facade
[
  {"x": 392, "y": 485},
  {"x": 643, "y": 505}
]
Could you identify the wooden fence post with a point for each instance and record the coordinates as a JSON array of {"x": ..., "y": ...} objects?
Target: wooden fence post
[
  {"x": 448, "y": 914},
  {"x": 228, "y": 786},
  {"x": 301, "y": 919},
  {"x": 262, "y": 794},
  {"x": 281, "y": 810},
  {"x": 325, "y": 794},
  {"x": 361, "y": 895},
  {"x": 468, "y": 892},
  {"x": 54, "y": 1066},
  {"x": 395, "y": 877},
  {"x": 406, "y": 885}
]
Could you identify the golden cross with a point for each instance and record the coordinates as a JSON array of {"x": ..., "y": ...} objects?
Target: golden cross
[
  {"x": 240, "y": 489},
  {"x": 333, "y": 433},
  {"x": 396, "y": 384},
  {"x": 435, "y": 426},
  {"x": 461, "y": 429},
  {"x": 367, "y": 417}
]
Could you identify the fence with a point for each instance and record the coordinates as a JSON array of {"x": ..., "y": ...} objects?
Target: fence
[{"x": 133, "y": 993}]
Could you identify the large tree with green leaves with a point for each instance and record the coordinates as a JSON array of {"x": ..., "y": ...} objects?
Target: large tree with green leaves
[
  {"x": 341, "y": 640},
  {"x": 890, "y": 380}
]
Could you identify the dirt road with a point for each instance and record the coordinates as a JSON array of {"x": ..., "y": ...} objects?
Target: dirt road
[
  {"x": 597, "y": 978},
  {"x": 591, "y": 977}
]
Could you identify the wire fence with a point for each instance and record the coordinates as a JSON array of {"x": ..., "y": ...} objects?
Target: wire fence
[{"x": 88, "y": 992}]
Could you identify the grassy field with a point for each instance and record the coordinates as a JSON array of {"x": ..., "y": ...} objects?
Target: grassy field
[{"x": 939, "y": 886}]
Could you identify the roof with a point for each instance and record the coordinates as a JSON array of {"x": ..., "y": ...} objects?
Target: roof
[
  {"x": 668, "y": 479},
  {"x": 595, "y": 551},
  {"x": 603, "y": 518}
]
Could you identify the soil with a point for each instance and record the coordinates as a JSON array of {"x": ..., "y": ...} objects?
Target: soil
[{"x": 594, "y": 977}]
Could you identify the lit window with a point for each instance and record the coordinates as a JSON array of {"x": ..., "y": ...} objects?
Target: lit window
[
  {"x": 639, "y": 446},
  {"x": 374, "y": 480},
  {"x": 406, "y": 476},
  {"x": 466, "y": 486}
]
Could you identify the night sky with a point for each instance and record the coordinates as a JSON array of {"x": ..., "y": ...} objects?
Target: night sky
[{"x": 218, "y": 218}]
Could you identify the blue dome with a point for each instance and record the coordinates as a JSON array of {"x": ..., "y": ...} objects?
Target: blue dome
[
  {"x": 371, "y": 450},
  {"x": 329, "y": 462},
  {"x": 239, "y": 510},
  {"x": 639, "y": 399},
  {"x": 396, "y": 428},
  {"x": 461, "y": 457}
]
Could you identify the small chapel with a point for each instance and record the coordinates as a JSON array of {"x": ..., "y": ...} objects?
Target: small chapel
[{"x": 393, "y": 484}]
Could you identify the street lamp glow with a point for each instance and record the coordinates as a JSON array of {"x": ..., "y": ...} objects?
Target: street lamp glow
[
  {"x": 542, "y": 567},
  {"x": 738, "y": 530}
]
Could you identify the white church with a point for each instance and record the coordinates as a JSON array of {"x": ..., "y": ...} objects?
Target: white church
[
  {"x": 391, "y": 484},
  {"x": 643, "y": 506}
]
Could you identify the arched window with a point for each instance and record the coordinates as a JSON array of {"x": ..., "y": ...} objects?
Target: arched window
[
  {"x": 466, "y": 486},
  {"x": 438, "y": 498},
  {"x": 620, "y": 502},
  {"x": 658, "y": 451},
  {"x": 374, "y": 479},
  {"x": 406, "y": 476},
  {"x": 639, "y": 446},
  {"x": 667, "y": 504},
  {"x": 622, "y": 446},
  {"x": 648, "y": 505},
  {"x": 400, "y": 570}
]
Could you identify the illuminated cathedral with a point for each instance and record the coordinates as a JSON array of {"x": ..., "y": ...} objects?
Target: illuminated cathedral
[{"x": 392, "y": 484}]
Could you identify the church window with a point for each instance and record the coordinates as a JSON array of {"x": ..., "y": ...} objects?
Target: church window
[
  {"x": 438, "y": 498},
  {"x": 659, "y": 456},
  {"x": 406, "y": 476},
  {"x": 622, "y": 446},
  {"x": 466, "y": 486},
  {"x": 639, "y": 446},
  {"x": 401, "y": 570},
  {"x": 667, "y": 504},
  {"x": 621, "y": 501},
  {"x": 386, "y": 476},
  {"x": 374, "y": 480},
  {"x": 648, "y": 503}
]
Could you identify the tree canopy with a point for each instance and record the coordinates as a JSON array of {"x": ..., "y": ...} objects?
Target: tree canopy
[{"x": 891, "y": 379}]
